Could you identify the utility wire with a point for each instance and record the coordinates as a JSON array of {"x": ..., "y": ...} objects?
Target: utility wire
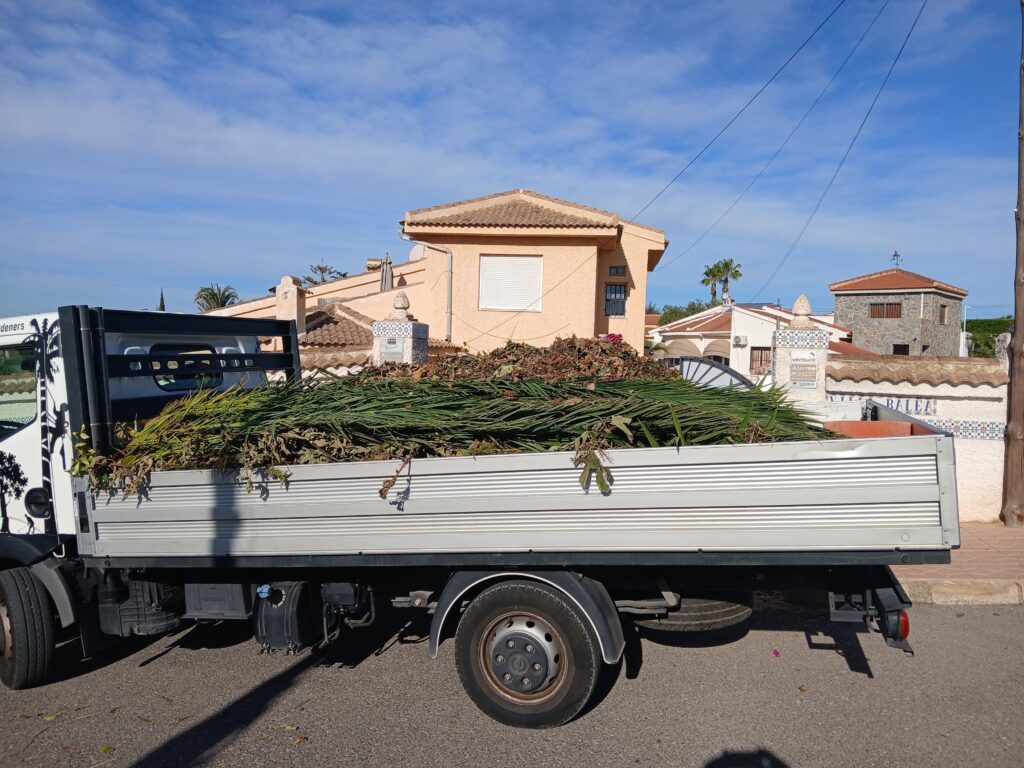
[
  {"x": 846, "y": 154},
  {"x": 693, "y": 160},
  {"x": 782, "y": 146},
  {"x": 743, "y": 109}
]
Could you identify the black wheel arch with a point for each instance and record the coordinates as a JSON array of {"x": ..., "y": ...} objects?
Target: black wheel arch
[
  {"x": 35, "y": 551},
  {"x": 588, "y": 594},
  {"x": 27, "y": 548}
]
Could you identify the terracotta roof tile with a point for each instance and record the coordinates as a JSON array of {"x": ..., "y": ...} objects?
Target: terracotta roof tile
[
  {"x": 516, "y": 208},
  {"x": 898, "y": 369},
  {"x": 328, "y": 327},
  {"x": 893, "y": 280},
  {"x": 315, "y": 358},
  {"x": 513, "y": 213},
  {"x": 846, "y": 348}
]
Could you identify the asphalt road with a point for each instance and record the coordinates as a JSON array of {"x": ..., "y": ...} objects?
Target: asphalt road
[{"x": 772, "y": 698}]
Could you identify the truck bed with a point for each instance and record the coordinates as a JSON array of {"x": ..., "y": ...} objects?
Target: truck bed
[{"x": 890, "y": 499}]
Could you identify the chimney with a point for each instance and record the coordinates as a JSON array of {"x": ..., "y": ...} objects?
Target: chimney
[{"x": 291, "y": 302}]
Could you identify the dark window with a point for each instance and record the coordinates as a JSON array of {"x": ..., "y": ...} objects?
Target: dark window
[
  {"x": 925, "y": 348},
  {"x": 901, "y": 349},
  {"x": 943, "y": 314},
  {"x": 760, "y": 357},
  {"x": 186, "y": 369},
  {"x": 614, "y": 300},
  {"x": 886, "y": 311},
  {"x": 616, "y": 270},
  {"x": 17, "y": 389},
  {"x": 718, "y": 359}
]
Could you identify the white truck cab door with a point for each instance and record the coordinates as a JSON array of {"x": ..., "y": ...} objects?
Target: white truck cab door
[{"x": 20, "y": 432}]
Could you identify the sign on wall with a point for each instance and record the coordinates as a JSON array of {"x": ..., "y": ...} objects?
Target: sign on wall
[
  {"x": 913, "y": 406},
  {"x": 803, "y": 371}
]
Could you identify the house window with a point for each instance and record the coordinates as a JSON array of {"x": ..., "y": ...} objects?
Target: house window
[
  {"x": 760, "y": 357},
  {"x": 901, "y": 349},
  {"x": 617, "y": 270},
  {"x": 614, "y": 299},
  {"x": 886, "y": 311},
  {"x": 511, "y": 282},
  {"x": 943, "y": 314}
]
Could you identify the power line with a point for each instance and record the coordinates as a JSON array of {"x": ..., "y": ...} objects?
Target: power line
[
  {"x": 846, "y": 154},
  {"x": 782, "y": 146},
  {"x": 743, "y": 109},
  {"x": 693, "y": 160}
]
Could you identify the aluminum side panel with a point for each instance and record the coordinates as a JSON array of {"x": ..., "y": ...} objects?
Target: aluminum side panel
[{"x": 834, "y": 495}]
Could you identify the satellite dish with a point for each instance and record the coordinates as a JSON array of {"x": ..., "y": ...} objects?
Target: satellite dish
[
  {"x": 417, "y": 252},
  {"x": 708, "y": 373}
]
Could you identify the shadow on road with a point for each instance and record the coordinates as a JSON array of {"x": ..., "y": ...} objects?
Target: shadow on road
[
  {"x": 195, "y": 745},
  {"x": 69, "y": 663},
  {"x": 762, "y": 758},
  {"x": 199, "y": 743},
  {"x": 820, "y": 635}
]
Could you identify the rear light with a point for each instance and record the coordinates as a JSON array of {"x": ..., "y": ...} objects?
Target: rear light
[{"x": 904, "y": 625}]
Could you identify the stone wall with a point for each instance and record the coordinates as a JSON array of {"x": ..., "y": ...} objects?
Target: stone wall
[{"x": 918, "y": 326}]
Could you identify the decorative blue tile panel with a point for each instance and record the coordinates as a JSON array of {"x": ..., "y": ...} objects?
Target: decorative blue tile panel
[
  {"x": 802, "y": 339},
  {"x": 400, "y": 329},
  {"x": 973, "y": 430}
]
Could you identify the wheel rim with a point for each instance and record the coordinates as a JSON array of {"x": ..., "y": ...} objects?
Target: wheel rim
[
  {"x": 6, "y": 639},
  {"x": 523, "y": 657}
]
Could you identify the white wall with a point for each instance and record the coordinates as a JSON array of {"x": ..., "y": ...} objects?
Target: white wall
[
  {"x": 945, "y": 401},
  {"x": 968, "y": 412},
  {"x": 979, "y": 479},
  {"x": 758, "y": 331}
]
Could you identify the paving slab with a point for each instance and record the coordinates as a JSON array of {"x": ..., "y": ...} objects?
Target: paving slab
[{"x": 988, "y": 569}]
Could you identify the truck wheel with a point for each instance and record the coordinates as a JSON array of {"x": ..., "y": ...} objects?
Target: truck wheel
[
  {"x": 698, "y": 614},
  {"x": 526, "y": 655},
  {"x": 26, "y": 629}
]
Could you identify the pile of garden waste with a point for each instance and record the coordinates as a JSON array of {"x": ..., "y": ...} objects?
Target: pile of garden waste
[{"x": 579, "y": 395}]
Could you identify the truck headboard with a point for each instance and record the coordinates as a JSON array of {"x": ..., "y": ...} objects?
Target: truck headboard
[{"x": 124, "y": 365}]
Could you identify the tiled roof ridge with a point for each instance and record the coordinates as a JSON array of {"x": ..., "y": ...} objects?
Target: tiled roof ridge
[
  {"x": 518, "y": 193},
  {"x": 791, "y": 315},
  {"x": 340, "y": 307},
  {"x": 935, "y": 371},
  {"x": 525, "y": 195},
  {"x": 717, "y": 309},
  {"x": 844, "y": 285},
  {"x": 513, "y": 213}
]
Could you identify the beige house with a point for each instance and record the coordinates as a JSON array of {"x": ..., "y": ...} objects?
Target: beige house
[{"x": 515, "y": 266}]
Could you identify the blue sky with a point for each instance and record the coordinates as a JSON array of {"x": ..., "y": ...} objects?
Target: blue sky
[{"x": 147, "y": 145}]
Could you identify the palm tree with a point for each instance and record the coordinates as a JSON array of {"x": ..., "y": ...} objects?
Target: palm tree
[
  {"x": 215, "y": 296},
  {"x": 322, "y": 273},
  {"x": 728, "y": 270},
  {"x": 711, "y": 278}
]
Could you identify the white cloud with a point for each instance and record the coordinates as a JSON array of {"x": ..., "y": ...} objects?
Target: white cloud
[{"x": 272, "y": 138}]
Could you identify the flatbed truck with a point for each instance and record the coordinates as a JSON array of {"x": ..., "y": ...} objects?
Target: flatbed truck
[{"x": 535, "y": 576}]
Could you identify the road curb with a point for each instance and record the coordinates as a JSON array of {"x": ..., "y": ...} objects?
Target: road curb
[{"x": 965, "y": 591}]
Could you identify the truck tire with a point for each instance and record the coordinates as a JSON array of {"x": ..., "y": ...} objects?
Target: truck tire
[
  {"x": 526, "y": 655},
  {"x": 26, "y": 629},
  {"x": 701, "y": 614}
]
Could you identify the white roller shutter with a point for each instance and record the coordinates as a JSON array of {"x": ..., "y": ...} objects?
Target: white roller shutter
[{"x": 511, "y": 282}]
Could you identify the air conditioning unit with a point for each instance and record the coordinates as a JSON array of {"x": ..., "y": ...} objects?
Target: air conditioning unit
[{"x": 739, "y": 341}]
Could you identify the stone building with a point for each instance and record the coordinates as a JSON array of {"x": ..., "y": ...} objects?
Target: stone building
[{"x": 896, "y": 312}]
